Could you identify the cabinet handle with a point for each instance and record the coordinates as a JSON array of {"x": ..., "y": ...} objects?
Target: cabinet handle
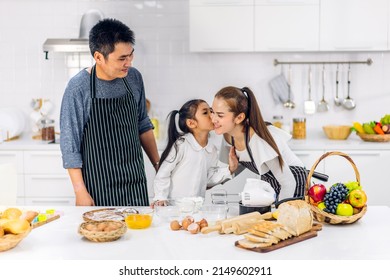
[
  {"x": 51, "y": 202},
  {"x": 365, "y": 154},
  {"x": 48, "y": 177}
]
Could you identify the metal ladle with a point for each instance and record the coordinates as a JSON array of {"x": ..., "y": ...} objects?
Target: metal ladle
[
  {"x": 323, "y": 106},
  {"x": 348, "y": 102},
  {"x": 337, "y": 99},
  {"x": 289, "y": 104}
]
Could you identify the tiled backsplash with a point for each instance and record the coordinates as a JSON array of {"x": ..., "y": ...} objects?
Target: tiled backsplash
[{"x": 171, "y": 73}]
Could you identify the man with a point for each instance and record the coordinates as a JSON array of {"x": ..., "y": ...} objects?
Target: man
[{"x": 104, "y": 122}]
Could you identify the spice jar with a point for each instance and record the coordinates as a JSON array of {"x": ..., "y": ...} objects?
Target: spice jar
[
  {"x": 299, "y": 128},
  {"x": 277, "y": 121},
  {"x": 47, "y": 129}
]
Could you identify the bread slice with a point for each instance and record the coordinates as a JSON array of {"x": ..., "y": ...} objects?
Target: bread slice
[
  {"x": 251, "y": 245},
  {"x": 254, "y": 238},
  {"x": 273, "y": 229}
]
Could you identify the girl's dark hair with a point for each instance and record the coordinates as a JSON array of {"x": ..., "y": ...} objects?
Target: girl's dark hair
[
  {"x": 244, "y": 101},
  {"x": 187, "y": 111},
  {"x": 107, "y": 33}
]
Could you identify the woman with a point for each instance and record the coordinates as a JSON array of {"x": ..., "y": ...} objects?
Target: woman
[{"x": 258, "y": 146}]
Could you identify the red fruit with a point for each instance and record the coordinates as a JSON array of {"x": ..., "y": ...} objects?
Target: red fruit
[{"x": 317, "y": 192}]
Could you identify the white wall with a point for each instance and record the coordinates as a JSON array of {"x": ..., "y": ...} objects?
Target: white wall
[{"x": 172, "y": 75}]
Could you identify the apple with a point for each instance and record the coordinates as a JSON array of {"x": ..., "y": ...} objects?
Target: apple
[
  {"x": 317, "y": 192},
  {"x": 353, "y": 185},
  {"x": 357, "y": 198},
  {"x": 344, "y": 209},
  {"x": 321, "y": 205}
]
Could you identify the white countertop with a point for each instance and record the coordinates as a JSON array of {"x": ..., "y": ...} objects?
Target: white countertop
[
  {"x": 368, "y": 238},
  {"x": 316, "y": 141}
]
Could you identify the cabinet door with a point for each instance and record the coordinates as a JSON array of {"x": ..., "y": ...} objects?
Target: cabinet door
[
  {"x": 353, "y": 25},
  {"x": 372, "y": 167},
  {"x": 286, "y": 25},
  {"x": 15, "y": 158},
  {"x": 221, "y": 26},
  {"x": 309, "y": 157},
  {"x": 43, "y": 162}
]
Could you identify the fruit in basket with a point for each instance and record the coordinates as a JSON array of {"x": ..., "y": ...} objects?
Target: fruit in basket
[
  {"x": 352, "y": 185},
  {"x": 344, "y": 209},
  {"x": 358, "y": 127},
  {"x": 321, "y": 205},
  {"x": 357, "y": 198},
  {"x": 368, "y": 129},
  {"x": 337, "y": 194},
  {"x": 317, "y": 192},
  {"x": 385, "y": 119}
]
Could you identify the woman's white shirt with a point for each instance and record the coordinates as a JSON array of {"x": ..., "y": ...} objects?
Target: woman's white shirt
[
  {"x": 187, "y": 171},
  {"x": 266, "y": 159}
]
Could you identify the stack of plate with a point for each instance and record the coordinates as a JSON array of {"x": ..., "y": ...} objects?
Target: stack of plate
[{"x": 12, "y": 123}]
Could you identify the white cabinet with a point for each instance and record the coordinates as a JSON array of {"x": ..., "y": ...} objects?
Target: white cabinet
[
  {"x": 15, "y": 158},
  {"x": 286, "y": 25},
  {"x": 353, "y": 25},
  {"x": 372, "y": 166},
  {"x": 221, "y": 25},
  {"x": 46, "y": 181}
]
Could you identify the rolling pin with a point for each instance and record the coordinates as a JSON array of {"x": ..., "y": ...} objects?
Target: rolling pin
[{"x": 224, "y": 225}]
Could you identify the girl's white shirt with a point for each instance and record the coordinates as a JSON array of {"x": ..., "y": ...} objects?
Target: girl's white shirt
[
  {"x": 266, "y": 159},
  {"x": 189, "y": 170}
]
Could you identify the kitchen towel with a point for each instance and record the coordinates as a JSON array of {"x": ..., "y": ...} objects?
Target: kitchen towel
[{"x": 279, "y": 89}]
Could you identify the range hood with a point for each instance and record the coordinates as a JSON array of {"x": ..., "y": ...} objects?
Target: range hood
[{"x": 76, "y": 45}]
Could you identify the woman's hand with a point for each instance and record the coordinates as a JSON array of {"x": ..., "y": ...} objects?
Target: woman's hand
[{"x": 233, "y": 160}]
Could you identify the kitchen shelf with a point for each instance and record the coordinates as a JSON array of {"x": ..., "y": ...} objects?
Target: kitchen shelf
[{"x": 368, "y": 62}]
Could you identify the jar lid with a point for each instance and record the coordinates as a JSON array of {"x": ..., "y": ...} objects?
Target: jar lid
[
  {"x": 47, "y": 121},
  {"x": 299, "y": 119}
]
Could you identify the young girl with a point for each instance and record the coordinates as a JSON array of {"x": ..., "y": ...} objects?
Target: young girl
[
  {"x": 259, "y": 146},
  {"x": 188, "y": 164}
]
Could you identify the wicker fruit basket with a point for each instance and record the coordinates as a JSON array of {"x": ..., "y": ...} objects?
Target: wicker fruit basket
[
  {"x": 323, "y": 216},
  {"x": 9, "y": 241},
  {"x": 374, "y": 137},
  {"x": 98, "y": 231}
]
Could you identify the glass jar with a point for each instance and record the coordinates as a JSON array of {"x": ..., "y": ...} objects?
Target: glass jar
[
  {"x": 299, "y": 128},
  {"x": 277, "y": 121},
  {"x": 47, "y": 130}
]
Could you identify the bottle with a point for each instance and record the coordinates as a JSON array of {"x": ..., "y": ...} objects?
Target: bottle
[
  {"x": 299, "y": 128},
  {"x": 277, "y": 121},
  {"x": 155, "y": 122},
  {"x": 47, "y": 129}
]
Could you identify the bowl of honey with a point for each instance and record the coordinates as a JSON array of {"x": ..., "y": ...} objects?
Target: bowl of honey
[{"x": 141, "y": 220}]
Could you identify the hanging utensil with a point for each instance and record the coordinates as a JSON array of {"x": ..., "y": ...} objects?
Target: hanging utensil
[
  {"x": 309, "y": 105},
  {"x": 289, "y": 104},
  {"x": 348, "y": 102},
  {"x": 337, "y": 99},
  {"x": 323, "y": 106}
]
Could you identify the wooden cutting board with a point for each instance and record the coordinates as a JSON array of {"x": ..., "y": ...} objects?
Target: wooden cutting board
[
  {"x": 284, "y": 243},
  {"x": 48, "y": 220}
]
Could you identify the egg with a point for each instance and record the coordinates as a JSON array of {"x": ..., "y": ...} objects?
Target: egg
[
  {"x": 185, "y": 223},
  {"x": 175, "y": 225},
  {"x": 193, "y": 228}
]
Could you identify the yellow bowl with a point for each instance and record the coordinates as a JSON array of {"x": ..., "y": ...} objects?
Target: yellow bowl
[
  {"x": 142, "y": 219},
  {"x": 337, "y": 132}
]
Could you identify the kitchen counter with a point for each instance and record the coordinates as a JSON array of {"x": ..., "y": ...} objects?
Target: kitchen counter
[
  {"x": 368, "y": 238},
  {"x": 315, "y": 141}
]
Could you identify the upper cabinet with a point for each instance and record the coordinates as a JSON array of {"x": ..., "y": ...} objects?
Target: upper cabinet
[
  {"x": 285, "y": 25},
  {"x": 221, "y": 25},
  {"x": 354, "y": 25},
  {"x": 289, "y": 25}
]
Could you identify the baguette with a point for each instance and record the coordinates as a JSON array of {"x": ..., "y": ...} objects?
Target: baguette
[{"x": 223, "y": 225}]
